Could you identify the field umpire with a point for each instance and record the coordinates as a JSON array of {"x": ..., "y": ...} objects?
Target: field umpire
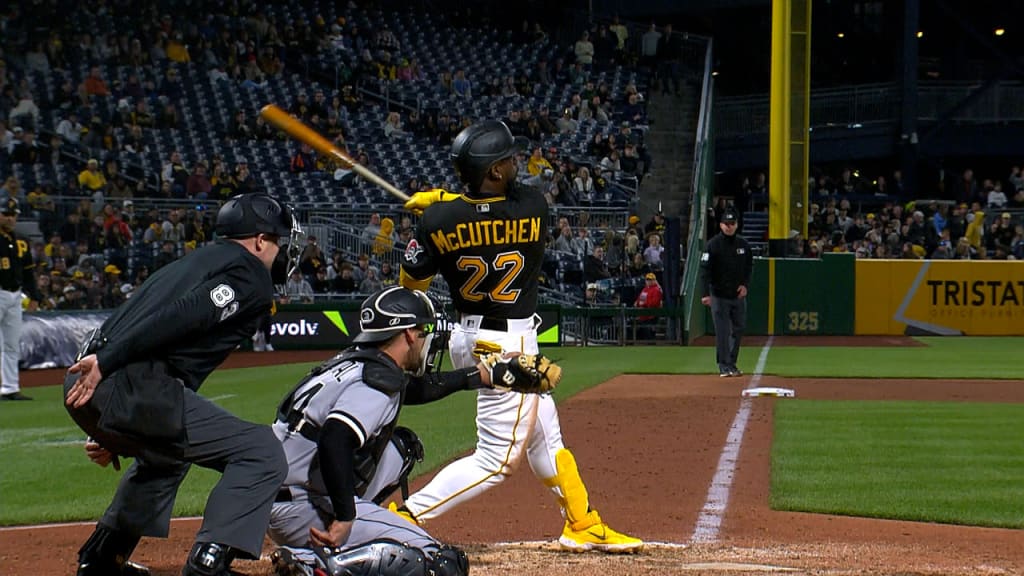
[
  {"x": 134, "y": 391},
  {"x": 726, "y": 267}
]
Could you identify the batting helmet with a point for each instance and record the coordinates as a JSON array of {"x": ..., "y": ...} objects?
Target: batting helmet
[
  {"x": 246, "y": 215},
  {"x": 392, "y": 310},
  {"x": 479, "y": 146},
  {"x": 10, "y": 207}
]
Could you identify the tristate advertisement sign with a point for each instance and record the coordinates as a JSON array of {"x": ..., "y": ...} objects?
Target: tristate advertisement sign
[{"x": 940, "y": 297}]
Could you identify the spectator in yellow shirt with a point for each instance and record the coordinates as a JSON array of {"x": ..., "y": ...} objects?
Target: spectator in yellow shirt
[
  {"x": 975, "y": 229},
  {"x": 176, "y": 49},
  {"x": 538, "y": 163},
  {"x": 91, "y": 178}
]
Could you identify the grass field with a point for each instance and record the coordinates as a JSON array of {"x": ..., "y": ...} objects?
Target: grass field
[{"x": 46, "y": 477}]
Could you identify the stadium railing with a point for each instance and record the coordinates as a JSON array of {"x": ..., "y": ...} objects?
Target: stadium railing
[{"x": 703, "y": 184}]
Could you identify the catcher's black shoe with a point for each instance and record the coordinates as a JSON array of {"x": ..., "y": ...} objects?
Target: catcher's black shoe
[{"x": 112, "y": 569}]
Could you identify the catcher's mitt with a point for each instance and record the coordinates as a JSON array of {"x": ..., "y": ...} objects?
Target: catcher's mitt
[{"x": 526, "y": 373}]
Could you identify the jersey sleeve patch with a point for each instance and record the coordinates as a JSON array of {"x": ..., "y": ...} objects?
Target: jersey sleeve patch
[
  {"x": 705, "y": 257},
  {"x": 222, "y": 295},
  {"x": 413, "y": 251}
]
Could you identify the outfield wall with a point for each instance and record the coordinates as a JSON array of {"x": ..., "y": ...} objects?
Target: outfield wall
[{"x": 840, "y": 295}]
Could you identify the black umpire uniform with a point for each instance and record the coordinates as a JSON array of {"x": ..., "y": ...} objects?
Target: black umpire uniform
[
  {"x": 155, "y": 351},
  {"x": 726, "y": 266}
]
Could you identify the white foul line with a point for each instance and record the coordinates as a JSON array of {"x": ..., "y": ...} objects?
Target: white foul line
[{"x": 710, "y": 520}]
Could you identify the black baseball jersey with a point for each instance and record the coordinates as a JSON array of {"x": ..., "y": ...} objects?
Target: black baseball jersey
[
  {"x": 489, "y": 251},
  {"x": 191, "y": 313},
  {"x": 725, "y": 265},
  {"x": 16, "y": 266}
]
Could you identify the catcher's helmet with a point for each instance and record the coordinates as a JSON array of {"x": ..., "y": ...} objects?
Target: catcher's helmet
[
  {"x": 479, "y": 146},
  {"x": 246, "y": 215},
  {"x": 389, "y": 311}
]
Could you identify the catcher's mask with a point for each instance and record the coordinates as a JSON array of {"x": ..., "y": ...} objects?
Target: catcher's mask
[
  {"x": 246, "y": 215},
  {"x": 391, "y": 311}
]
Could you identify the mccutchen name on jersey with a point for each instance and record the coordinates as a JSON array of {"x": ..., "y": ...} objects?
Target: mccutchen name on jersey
[{"x": 487, "y": 233}]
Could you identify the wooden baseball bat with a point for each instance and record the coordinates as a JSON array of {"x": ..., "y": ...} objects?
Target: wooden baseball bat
[{"x": 300, "y": 131}]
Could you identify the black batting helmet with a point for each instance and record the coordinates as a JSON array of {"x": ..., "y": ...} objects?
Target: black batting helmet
[
  {"x": 10, "y": 207},
  {"x": 479, "y": 146},
  {"x": 246, "y": 215},
  {"x": 389, "y": 311}
]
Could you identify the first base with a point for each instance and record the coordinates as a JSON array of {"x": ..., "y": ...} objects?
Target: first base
[{"x": 769, "y": 391}]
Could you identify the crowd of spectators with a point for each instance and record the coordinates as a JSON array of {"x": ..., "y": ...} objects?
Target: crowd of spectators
[
  {"x": 97, "y": 126},
  {"x": 969, "y": 219}
]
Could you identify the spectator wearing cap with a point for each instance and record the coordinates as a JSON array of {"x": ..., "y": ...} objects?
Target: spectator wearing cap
[
  {"x": 649, "y": 297},
  {"x": 726, "y": 267},
  {"x": 26, "y": 149}
]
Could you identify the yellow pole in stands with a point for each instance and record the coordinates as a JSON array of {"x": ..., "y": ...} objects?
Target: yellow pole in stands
[
  {"x": 778, "y": 132},
  {"x": 788, "y": 133}
]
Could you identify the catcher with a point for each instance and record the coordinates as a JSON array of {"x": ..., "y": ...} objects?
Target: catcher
[
  {"x": 489, "y": 246},
  {"x": 346, "y": 455}
]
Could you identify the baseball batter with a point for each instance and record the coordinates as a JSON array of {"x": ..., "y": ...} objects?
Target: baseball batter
[
  {"x": 489, "y": 246},
  {"x": 346, "y": 455}
]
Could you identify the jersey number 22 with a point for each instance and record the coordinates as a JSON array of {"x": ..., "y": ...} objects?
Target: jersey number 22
[{"x": 510, "y": 264}]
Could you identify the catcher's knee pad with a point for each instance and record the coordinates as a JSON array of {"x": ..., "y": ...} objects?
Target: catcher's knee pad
[
  {"x": 376, "y": 558},
  {"x": 106, "y": 552},
  {"x": 411, "y": 449},
  {"x": 449, "y": 561}
]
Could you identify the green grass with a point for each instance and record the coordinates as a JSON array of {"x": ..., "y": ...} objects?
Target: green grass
[
  {"x": 977, "y": 357},
  {"x": 948, "y": 462},
  {"x": 46, "y": 477}
]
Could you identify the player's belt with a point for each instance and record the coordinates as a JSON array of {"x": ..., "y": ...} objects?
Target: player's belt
[
  {"x": 500, "y": 324},
  {"x": 476, "y": 322}
]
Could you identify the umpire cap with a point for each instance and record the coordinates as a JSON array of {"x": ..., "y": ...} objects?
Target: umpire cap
[
  {"x": 389, "y": 311},
  {"x": 479, "y": 146},
  {"x": 246, "y": 215}
]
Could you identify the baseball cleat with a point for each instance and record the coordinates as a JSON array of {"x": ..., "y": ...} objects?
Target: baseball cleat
[
  {"x": 598, "y": 537},
  {"x": 286, "y": 564},
  {"x": 13, "y": 396},
  {"x": 98, "y": 569},
  {"x": 734, "y": 371}
]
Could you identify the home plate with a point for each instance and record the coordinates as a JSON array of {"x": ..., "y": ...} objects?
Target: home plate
[
  {"x": 735, "y": 567},
  {"x": 769, "y": 391}
]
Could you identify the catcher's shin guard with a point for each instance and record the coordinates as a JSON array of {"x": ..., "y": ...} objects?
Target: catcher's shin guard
[
  {"x": 106, "y": 553},
  {"x": 377, "y": 558}
]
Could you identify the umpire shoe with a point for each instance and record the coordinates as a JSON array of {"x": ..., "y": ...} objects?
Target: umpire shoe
[
  {"x": 598, "y": 537},
  {"x": 734, "y": 371},
  {"x": 14, "y": 396}
]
